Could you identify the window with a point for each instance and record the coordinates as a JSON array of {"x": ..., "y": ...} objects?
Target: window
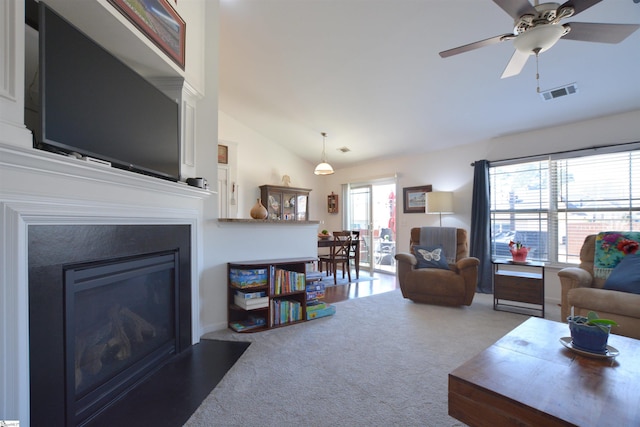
[{"x": 552, "y": 203}]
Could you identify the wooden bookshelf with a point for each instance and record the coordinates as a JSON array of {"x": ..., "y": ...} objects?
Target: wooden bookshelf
[{"x": 281, "y": 284}]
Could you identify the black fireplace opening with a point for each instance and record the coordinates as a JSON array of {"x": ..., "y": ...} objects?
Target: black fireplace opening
[
  {"x": 120, "y": 326},
  {"x": 108, "y": 306}
]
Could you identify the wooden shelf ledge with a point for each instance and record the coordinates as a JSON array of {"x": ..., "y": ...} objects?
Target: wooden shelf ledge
[{"x": 266, "y": 221}]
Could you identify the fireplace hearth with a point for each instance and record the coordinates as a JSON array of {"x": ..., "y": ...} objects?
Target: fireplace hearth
[{"x": 108, "y": 306}]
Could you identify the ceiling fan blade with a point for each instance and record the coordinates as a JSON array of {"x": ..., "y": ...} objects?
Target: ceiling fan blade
[
  {"x": 515, "y": 65},
  {"x": 475, "y": 45},
  {"x": 600, "y": 33},
  {"x": 516, "y": 8},
  {"x": 579, "y": 5}
]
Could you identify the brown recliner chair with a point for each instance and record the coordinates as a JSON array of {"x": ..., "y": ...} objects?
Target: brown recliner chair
[
  {"x": 583, "y": 291},
  {"x": 456, "y": 286}
]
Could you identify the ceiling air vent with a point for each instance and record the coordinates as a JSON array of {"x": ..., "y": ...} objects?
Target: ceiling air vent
[
  {"x": 344, "y": 149},
  {"x": 558, "y": 92}
]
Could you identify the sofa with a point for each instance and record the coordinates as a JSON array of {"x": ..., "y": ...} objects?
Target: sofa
[
  {"x": 584, "y": 292},
  {"x": 454, "y": 286}
]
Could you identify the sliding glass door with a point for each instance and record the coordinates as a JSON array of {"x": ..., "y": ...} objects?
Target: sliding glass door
[
  {"x": 372, "y": 211},
  {"x": 359, "y": 219}
]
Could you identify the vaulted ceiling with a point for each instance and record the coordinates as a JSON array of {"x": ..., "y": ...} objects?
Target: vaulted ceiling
[{"x": 368, "y": 73}]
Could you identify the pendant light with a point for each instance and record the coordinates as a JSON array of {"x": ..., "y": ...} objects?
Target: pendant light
[{"x": 323, "y": 167}]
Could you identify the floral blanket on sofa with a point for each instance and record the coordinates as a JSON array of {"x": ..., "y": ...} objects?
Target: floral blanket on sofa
[{"x": 611, "y": 247}]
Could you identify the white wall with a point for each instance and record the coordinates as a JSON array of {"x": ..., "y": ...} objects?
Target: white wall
[
  {"x": 262, "y": 161},
  {"x": 445, "y": 170},
  {"x": 450, "y": 170},
  {"x": 258, "y": 161}
]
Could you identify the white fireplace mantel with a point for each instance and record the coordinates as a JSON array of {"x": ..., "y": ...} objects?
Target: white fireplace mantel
[
  {"x": 44, "y": 188},
  {"x": 46, "y": 165}
]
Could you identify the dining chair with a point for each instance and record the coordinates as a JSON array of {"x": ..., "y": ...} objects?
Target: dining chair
[
  {"x": 354, "y": 251},
  {"x": 338, "y": 255}
]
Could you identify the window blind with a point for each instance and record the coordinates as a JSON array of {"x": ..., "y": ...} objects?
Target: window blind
[{"x": 551, "y": 204}]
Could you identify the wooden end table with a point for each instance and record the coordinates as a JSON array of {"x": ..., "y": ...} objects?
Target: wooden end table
[
  {"x": 521, "y": 286},
  {"x": 528, "y": 378}
]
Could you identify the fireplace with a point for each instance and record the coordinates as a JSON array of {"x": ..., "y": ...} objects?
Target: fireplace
[
  {"x": 120, "y": 325},
  {"x": 108, "y": 306}
]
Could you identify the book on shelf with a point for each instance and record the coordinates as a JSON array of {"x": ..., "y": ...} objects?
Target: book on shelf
[
  {"x": 250, "y": 295},
  {"x": 312, "y": 296},
  {"x": 285, "y": 311},
  {"x": 315, "y": 306},
  {"x": 251, "y": 322},
  {"x": 315, "y": 291},
  {"x": 327, "y": 310},
  {"x": 249, "y": 278},
  {"x": 317, "y": 286},
  {"x": 285, "y": 281},
  {"x": 314, "y": 276},
  {"x": 251, "y": 303}
]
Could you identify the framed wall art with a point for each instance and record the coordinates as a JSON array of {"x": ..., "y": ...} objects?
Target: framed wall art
[
  {"x": 223, "y": 154},
  {"x": 332, "y": 203},
  {"x": 159, "y": 22},
  {"x": 415, "y": 198}
]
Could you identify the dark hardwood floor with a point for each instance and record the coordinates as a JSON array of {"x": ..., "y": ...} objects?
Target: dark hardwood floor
[
  {"x": 171, "y": 395},
  {"x": 384, "y": 283}
]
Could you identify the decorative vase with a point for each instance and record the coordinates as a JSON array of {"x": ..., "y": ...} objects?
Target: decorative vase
[
  {"x": 258, "y": 211},
  {"x": 592, "y": 338},
  {"x": 519, "y": 255}
]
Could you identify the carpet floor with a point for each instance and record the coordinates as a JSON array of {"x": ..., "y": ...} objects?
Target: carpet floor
[{"x": 379, "y": 361}]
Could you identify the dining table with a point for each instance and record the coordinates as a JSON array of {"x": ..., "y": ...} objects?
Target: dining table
[{"x": 327, "y": 242}]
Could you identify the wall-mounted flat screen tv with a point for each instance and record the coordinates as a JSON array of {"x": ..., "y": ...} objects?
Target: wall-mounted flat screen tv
[{"x": 93, "y": 104}]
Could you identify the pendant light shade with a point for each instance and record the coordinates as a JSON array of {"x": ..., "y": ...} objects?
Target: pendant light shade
[{"x": 323, "y": 167}]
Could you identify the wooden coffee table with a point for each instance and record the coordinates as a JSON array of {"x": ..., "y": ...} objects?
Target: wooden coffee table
[{"x": 529, "y": 378}]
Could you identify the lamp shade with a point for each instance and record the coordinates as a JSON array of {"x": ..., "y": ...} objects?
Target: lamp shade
[
  {"x": 439, "y": 202},
  {"x": 323, "y": 169}
]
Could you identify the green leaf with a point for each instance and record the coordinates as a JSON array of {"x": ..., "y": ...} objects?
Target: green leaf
[
  {"x": 594, "y": 320},
  {"x": 592, "y": 315},
  {"x": 602, "y": 322}
]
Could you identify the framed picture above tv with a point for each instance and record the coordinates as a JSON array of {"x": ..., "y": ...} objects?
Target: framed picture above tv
[
  {"x": 415, "y": 198},
  {"x": 159, "y": 22}
]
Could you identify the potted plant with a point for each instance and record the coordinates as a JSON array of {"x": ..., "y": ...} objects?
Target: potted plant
[
  {"x": 518, "y": 251},
  {"x": 590, "y": 333},
  {"x": 324, "y": 234}
]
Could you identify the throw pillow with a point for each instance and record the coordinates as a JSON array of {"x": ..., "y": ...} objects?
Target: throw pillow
[
  {"x": 430, "y": 257},
  {"x": 611, "y": 247},
  {"x": 625, "y": 276}
]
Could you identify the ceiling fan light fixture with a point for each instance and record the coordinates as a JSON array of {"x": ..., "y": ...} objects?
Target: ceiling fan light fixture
[
  {"x": 537, "y": 28},
  {"x": 542, "y": 37}
]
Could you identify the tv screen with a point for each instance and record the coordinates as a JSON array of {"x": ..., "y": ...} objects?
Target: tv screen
[{"x": 93, "y": 104}]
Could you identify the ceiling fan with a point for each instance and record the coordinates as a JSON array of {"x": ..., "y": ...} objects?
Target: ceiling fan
[{"x": 537, "y": 28}]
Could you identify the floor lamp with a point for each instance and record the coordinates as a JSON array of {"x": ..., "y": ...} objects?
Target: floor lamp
[{"x": 439, "y": 202}]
